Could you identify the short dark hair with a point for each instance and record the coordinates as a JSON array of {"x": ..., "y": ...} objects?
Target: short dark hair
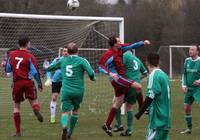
[
  {"x": 23, "y": 40},
  {"x": 112, "y": 41},
  {"x": 72, "y": 48},
  {"x": 197, "y": 45},
  {"x": 153, "y": 59}
]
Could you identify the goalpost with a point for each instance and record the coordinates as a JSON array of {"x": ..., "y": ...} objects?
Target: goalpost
[{"x": 48, "y": 33}]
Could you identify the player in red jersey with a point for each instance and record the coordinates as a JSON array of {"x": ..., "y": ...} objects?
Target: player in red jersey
[
  {"x": 23, "y": 66},
  {"x": 111, "y": 63}
]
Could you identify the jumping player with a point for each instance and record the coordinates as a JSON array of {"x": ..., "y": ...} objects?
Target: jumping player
[
  {"x": 135, "y": 70},
  {"x": 111, "y": 63}
]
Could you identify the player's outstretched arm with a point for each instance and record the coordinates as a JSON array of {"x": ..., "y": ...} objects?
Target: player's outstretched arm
[
  {"x": 48, "y": 82},
  {"x": 135, "y": 45},
  {"x": 143, "y": 70},
  {"x": 144, "y": 107},
  {"x": 89, "y": 70},
  {"x": 54, "y": 67}
]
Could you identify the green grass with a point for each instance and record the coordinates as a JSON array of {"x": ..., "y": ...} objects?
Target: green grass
[{"x": 93, "y": 112}]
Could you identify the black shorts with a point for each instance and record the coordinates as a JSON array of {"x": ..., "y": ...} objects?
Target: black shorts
[{"x": 56, "y": 86}]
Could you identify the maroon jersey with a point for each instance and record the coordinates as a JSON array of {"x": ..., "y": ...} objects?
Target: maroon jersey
[
  {"x": 118, "y": 62},
  {"x": 112, "y": 60},
  {"x": 23, "y": 65}
]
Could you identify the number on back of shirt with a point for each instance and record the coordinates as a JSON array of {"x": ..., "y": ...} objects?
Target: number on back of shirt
[
  {"x": 69, "y": 71},
  {"x": 19, "y": 60},
  {"x": 135, "y": 65}
]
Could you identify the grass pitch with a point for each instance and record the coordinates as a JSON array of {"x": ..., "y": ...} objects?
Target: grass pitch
[{"x": 93, "y": 112}]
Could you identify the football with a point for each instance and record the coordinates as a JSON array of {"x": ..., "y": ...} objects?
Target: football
[{"x": 73, "y": 4}]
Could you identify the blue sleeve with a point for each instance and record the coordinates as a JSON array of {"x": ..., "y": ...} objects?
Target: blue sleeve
[
  {"x": 53, "y": 62},
  {"x": 8, "y": 66},
  {"x": 48, "y": 74},
  {"x": 133, "y": 46},
  {"x": 54, "y": 66},
  {"x": 101, "y": 70},
  {"x": 33, "y": 72}
]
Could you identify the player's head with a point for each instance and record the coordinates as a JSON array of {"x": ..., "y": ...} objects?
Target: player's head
[
  {"x": 24, "y": 42},
  {"x": 152, "y": 60},
  {"x": 114, "y": 42},
  {"x": 194, "y": 50},
  {"x": 72, "y": 48},
  {"x": 64, "y": 52}
]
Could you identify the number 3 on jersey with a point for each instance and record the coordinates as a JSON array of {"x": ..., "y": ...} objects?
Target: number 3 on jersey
[
  {"x": 69, "y": 71},
  {"x": 19, "y": 59},
  {"x": 135, "y": 65}
]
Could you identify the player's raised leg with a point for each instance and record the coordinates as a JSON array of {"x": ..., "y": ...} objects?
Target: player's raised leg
[
  {"x": 36, "y": 109},
  {"x": 31, "y": 95}
]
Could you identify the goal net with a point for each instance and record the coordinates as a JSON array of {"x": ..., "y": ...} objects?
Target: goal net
[
  {"x": 48, "y": 34},
  {"x": 172, "y": 59}
]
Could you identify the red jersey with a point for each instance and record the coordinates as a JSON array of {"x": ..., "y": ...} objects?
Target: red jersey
[
  {"x": 112, "y": 60},
  {"x": 23, "y": 65}
]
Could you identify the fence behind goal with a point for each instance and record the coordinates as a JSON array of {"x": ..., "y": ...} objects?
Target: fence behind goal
[{"x": 48, "y": 34}]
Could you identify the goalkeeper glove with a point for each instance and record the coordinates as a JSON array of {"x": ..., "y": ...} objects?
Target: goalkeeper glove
[{"x": 48, "y": 83}]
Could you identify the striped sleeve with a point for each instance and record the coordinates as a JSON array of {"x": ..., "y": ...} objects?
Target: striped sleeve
[
  {"x": 153, "y": 87},
  {"x": 34, "y": 71},
  {"x": 132, "y": 46},
  {"x": 103, "y": 64}
]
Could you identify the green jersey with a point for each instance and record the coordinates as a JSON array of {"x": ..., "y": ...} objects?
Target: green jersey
[
  {"x": 73, "y": 68},
  {"x": 158, "y": 89},
  {"x": 191, "y": 72},
  {"x": 134, "y": 67}
]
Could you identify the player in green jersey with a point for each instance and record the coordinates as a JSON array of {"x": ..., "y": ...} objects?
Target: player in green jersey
[
  {"x": 134, "y": 68},
  {"x": 191, "y": 84},
  {"x": 72, "y": 91},
  {"x": 158, "y": 99}
]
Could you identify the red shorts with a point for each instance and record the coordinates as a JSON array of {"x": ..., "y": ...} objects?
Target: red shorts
[
  {"x": 24, "y": 87},
  {"x": 121, "y": 86},
  {"x": 123, "y": 81}
]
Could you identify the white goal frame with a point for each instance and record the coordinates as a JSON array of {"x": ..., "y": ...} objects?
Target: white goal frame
[
  {"x": 170, "y": 57},
  {"x": 120, "y": 20},
  {"x": 80, "y": 18}
]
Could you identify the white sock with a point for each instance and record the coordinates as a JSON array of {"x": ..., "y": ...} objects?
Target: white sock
[{"x": 53, "y": 108}]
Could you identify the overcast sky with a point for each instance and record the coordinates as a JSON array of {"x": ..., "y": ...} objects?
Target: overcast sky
[{"x": 111, "y": 1}]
